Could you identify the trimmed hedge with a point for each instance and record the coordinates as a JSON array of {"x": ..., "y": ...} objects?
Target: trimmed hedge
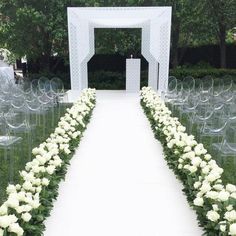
[
  {"x": 116, "y": 81},
  {"x": 180, "y": 73}
]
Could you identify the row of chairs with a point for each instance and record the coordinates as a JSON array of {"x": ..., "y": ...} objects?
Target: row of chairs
[
  {"x": 24, "y": 107},
  {"x": 208, "y": 107}
]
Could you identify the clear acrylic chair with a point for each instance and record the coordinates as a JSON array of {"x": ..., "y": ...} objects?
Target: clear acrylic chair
[
  {"x": 227, "y": 148},
  {"x": 18, "y": 123},
  {"x": 213, "y": 127},
  {"x": 203, "y": 112},
  {"x": 8, "y": 143}
]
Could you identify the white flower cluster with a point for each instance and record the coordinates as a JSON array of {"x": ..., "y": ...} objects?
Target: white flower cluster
[
  {"x": 216, "y": 200},
  {"x": 22, "y": 199}
]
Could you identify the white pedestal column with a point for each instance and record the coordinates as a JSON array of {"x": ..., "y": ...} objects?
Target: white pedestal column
[{"x": 132, "y": 75}]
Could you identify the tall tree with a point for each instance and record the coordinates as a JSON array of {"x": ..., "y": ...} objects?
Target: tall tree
[
  {"x": 187, "y": 28},
  {"x": 37, "y": 29},
  {"x": 222, "y": 14}
]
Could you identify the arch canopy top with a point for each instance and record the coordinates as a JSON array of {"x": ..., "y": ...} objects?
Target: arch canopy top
[{"x": 118, "y": 23}]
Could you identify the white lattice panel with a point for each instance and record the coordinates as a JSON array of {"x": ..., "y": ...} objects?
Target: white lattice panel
[
  {"x": 74, "y": 63},
  {"x": 164, "y": 57}
]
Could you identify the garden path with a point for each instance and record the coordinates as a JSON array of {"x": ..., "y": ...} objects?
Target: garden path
[{"x": 118, "y": 183}]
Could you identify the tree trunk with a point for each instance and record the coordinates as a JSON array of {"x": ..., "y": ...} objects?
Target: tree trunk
[
  {"x": 222, "y": 36},
  {"x": 175, "y": 44}
]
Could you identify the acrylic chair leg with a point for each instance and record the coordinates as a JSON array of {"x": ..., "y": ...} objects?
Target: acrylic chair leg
[
  {"x": 53, "y": 116},
  {"x": 29, "y": 145},
  {"x": 5, "y": 153},
  {"x": 11, "y": 165},
  {"x": 44, "y": 127}
]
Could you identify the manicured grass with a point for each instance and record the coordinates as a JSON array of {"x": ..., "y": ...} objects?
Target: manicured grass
[{"x": 18, "y": 155}]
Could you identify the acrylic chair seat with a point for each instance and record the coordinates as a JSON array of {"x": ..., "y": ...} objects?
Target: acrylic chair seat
[{"x": 7, "y": 141}]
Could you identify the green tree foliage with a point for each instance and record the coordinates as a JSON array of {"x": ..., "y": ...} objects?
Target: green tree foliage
[
  {"x": 222, "y": 17},
  {"x": 38, "y": 29},
  {"x": 121, "y": 41}
]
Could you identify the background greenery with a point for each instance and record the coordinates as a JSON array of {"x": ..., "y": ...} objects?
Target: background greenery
[{"x": 38, "y": 29}]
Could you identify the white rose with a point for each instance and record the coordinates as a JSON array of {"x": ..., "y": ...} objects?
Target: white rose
[
  {"x": 212, "y": 194},
  {"x": 50, "y": 169},
  {"x": 180, "y": 166},
  {"x": 12, "y": 201},
  {"x": 35, "y": 162},
  {"x": 187, "y": 149},
  {"x": 205, "y": 187},
  {"x": 35, "y": 169},
  {"x": 67, "y": 151},
  {"x": 42, "y": 160},
  {"x": 206, "y": 170},
  {"x": 213, "y": 215},
  {"x": 218, "y": 187},
  {"x": 196, "y": 161},
  {"x": 3, "y": 210},
  {"x": 211, "y": 177},
  {"x": 230, "y": 215},
  {"x": 181, "y": 128},
  {"x": 229, "y": 207},
  {"x": 45, "y": 182},
  {"x": 215, "y": 207},
  {"x": 223, "y": 195},
  {"x": 11, "y": 188},
  {"x": 180, "y": 143},
  {"x": 38, "y": 189},
  {"x": 15, "y": 228},
  {"x": 35, "y": 151},
  {"x": 198, "y": 201},
  {"x": 222, "y": 228},
  {"x": 19, "y": 209},
  {"x": 207, "y": 157},
  {"x": 21, "y": 196},
  {"x": 5, "y": 221},
  {"x": 203, "y": 164},
  {"x": 232, "y": 229},
  {"x": 27, "y": 208},
  {"x": 170, "y": 145},
  {"x": 28, "y": 166},
  {"x": 1, "y": 232},
  {"x": 192, "y": 169},
  {"x": 35, "y": 204},
  {"x": 26, "y": 217},
  {"x": 18, "y": 186},
  {"x": 27, "y": 185},
  {"x": 197, "y": 185},
  {"x": 231, "y": 188}
]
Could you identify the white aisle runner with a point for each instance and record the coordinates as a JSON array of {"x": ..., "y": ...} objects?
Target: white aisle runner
[{"x": 118, "y": 183}]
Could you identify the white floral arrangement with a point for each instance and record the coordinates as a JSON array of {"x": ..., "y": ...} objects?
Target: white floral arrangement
[
  {"x": 24, "y": 199},
  {"x": 213, "y": 201}
]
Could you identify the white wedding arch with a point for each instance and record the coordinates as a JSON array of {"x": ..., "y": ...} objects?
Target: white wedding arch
[{"x": 155, "y": 23}]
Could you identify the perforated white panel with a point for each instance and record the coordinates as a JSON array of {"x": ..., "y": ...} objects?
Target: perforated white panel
[
  {"x": 73, "y": 57},
  {"x": 164, "y": 57},
  {"x": 155, "y": 46}
]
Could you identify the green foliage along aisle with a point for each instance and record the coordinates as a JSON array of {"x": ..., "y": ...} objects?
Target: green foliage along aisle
[
  {"x": 201, "y": 176},
  {"x": 30, "y": 202}
]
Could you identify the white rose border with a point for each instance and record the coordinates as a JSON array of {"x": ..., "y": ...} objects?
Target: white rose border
[
  {"x": 23, "y": 213},
  {"x": 201, "y": 176}
]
